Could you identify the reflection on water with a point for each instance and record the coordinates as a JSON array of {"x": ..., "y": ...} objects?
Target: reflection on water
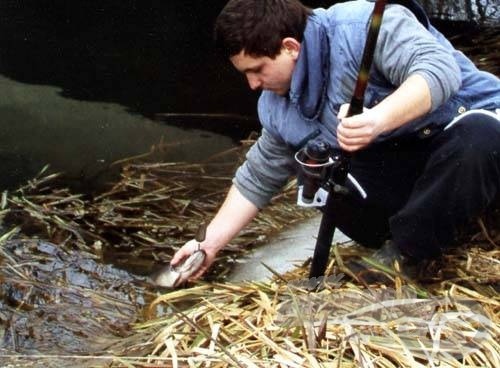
[
  {"x": 154, "y": 56},
  {"x": 80, "y": 79},
  {"x": 83, "y": 138},
  {"x": 63, "y": 301}
]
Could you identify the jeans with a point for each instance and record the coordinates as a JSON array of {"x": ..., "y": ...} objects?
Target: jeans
[{"x": 422, "y": 190}]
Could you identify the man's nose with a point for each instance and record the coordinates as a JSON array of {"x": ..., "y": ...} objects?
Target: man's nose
[{"x": 254, "y": 82}]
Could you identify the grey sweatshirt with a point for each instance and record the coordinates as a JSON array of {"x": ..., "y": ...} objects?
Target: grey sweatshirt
[{"x": 270, "y": 161}]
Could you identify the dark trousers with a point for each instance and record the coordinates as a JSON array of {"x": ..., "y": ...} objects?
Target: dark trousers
[{"x": 423, "y": 189}]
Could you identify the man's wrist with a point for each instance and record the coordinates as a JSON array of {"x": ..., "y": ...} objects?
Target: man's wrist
[{"x": 381, "y": 119}]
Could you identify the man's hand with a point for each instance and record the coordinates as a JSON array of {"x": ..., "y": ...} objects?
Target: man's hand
[
  {"x": 358, "y": 131},
  {"x": 236, "y": 212},
  {"x": 189, "y": 248},
  {"x": 409, "y": 101}
]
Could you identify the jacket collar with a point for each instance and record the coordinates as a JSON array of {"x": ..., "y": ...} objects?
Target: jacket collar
[{"x": 310, "y": 75}]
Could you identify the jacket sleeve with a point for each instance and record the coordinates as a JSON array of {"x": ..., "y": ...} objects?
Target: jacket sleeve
[
  {"x": 406, "y": 47},
  {"x": 268, "y": 166}
]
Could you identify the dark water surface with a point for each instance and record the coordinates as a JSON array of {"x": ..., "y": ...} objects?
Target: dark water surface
[
  {"x": 82, "y": 82},
  {"x": 150, "y": 56}
]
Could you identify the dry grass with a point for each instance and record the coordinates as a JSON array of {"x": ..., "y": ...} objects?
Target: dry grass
[
  {"x": 448, "y": 317},
  {"x": 281, "y": 324},
  {"x": 147, "y": 215}
]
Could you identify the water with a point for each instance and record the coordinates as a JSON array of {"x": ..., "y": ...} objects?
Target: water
[
  {"x": 82, "y": 84},
  {"x": 73, "y": 305},
  {"x": 83, "y": 138}
]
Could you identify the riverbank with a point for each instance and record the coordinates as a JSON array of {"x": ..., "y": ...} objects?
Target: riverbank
[{"x": 56, "y": 260}]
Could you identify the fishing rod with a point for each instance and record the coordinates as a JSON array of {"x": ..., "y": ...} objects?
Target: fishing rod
[
  {"x": 324, "y": 167},
  {"x": 337, "y": 168},
  {"x": 356, "y": 105}
]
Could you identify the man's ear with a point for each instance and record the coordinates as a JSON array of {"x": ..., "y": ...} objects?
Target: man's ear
[{"x": 291, "y": 46}]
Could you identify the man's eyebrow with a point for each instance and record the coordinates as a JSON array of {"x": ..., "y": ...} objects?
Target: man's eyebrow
[{"x": 252, "y": 69}]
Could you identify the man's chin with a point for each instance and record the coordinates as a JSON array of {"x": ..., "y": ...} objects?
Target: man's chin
[{"x": 280, "y": 92}]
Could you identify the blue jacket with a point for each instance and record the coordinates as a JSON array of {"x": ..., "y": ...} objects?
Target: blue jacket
[{"x": 326, "y": 72}]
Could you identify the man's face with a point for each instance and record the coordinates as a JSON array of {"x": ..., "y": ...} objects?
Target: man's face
[{"x": 262, "y": 72}]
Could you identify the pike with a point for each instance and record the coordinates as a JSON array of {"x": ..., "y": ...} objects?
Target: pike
[{"x": 173, "y": 276}]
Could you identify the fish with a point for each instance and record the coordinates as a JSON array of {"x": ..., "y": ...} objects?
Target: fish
[{"x": 171, "y": 276}]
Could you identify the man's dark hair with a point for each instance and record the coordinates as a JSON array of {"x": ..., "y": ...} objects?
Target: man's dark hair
[{"x": 259, "y": 26}]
